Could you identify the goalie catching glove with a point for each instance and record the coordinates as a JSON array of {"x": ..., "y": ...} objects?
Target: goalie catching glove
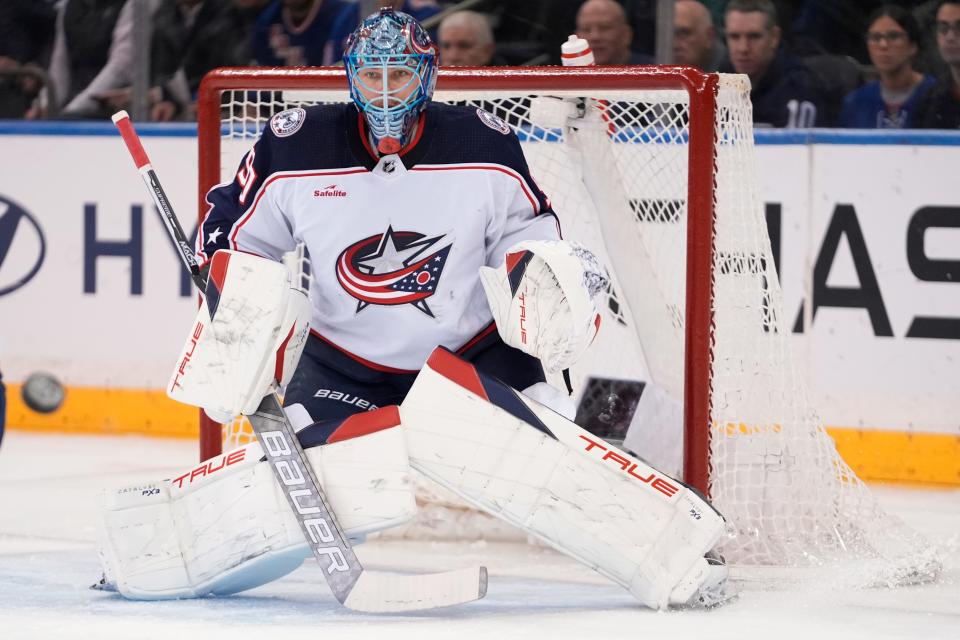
[{"x": 542, "y": 299}]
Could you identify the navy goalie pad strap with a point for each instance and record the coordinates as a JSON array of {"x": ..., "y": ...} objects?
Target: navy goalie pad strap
[
  {"x": 461, "y": 372},
  {"x": 354, "y": 426},
  {"x": 217, "y": 276},
  {"x": 516, "y": 266}
]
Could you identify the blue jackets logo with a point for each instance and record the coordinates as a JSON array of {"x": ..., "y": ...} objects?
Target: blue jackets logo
[
  {"x": 22, "y": 246},
  {"x": 493, "y": 122},
  {"x": 286, "y": 123},
  {"x": 392, "y": 268}
]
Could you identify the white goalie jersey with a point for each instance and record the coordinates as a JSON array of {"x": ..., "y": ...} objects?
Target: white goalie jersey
[{"x": 395, "y": 242}]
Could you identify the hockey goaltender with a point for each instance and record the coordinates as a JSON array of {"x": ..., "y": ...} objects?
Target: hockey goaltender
[{"x": 440, "y": 286}]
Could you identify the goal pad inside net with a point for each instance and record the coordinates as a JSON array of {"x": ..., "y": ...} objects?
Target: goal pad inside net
[{"x": 654, "y": 170}]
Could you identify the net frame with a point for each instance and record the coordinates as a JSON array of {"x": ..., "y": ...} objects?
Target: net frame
[
  {"x": 807, "y": 507},
  {"x": 701, "y": 90}
]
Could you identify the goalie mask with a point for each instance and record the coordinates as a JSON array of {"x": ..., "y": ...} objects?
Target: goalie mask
[{"x": 392, "y": 69}]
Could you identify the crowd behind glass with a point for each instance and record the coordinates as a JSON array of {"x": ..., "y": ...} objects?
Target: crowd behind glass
[{"x": 822, "y": 63}]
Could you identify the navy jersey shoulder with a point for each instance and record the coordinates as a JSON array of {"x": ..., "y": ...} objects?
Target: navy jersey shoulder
[
  {"x": 328, "y": 136},
  {"x": 299, "y": 139},
  {"x": 469, "y": 134},
  {"x": 311, "y": 138}
]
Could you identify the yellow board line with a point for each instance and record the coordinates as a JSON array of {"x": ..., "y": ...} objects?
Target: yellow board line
[
  {"x": 107, "y": 411},
  {"x": 887, "y": 456},
  {"x": 900, "y": 456}
]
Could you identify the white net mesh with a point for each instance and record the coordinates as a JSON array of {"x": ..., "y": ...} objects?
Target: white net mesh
[{"x": 615, "y": 167}]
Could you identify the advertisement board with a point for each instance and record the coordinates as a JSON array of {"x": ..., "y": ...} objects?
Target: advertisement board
[{"x": 865, "y": 228}]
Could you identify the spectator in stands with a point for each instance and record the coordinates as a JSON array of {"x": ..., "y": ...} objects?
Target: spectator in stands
[
  {"x": 893, "y": 39},
  {"x": 296, "y": 33},
  {"x": 26, "y": 36},
  {"x": 604, "y": 25},
  {"x": 786, "y": 9},
  {"x": 190, "y": 38},
  {"x": 831, "y": 27},
  {"x": 92, "y": 54},
  {"x": 940, "y": 108},
  {"x": 695, "y": 40},
  {"x": 642, "y": 18},
  {"x": 532, "y": 31},
  {"x": 784, "y": 92},
  {"x": 466, "y": 40},
  {"x": 245, "y": 14}
]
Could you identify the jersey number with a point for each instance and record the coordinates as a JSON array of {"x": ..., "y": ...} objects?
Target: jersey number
[
  {"x": 246, "y": 177},
  {"x": 803, "y": 114}
]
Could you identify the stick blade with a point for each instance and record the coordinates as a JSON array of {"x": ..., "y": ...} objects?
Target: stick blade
[{"x": 388, "y": 593}]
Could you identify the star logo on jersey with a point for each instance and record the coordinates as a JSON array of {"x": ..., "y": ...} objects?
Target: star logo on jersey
[
  {"x": 213, "y": 235},
  {"x": 393, "y": 268}
]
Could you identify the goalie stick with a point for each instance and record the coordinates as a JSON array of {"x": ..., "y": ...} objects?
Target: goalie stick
[
  {"x": 352, "y": 585},
  {"x": 122, "y": 120}
]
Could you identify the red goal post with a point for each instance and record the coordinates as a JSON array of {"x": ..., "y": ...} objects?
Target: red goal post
[{"x": 702, "y": 91}]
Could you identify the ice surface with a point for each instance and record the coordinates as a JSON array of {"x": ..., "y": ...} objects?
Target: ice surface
[{"x": 48, "y": 486}]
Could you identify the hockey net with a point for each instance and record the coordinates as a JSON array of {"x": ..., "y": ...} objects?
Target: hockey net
[{"x": 654, "y": 170}]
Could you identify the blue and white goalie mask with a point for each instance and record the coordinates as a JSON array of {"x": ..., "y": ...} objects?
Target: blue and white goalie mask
[{"x": 392, "y": 69}]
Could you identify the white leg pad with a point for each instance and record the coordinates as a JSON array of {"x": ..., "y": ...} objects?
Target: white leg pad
[
  {"x": 223, "y": 526},
  {"x": 631, "y": 523}
]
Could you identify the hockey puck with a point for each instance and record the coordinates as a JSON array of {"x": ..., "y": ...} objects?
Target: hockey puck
[{"x": 42, "y": 392}]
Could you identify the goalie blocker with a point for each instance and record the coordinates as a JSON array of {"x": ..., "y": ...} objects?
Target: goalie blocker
[{"x": 247, "y": 336}]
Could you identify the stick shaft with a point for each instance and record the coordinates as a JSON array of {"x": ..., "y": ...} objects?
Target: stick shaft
[
  {"x": 160, "y": 199},
  {"x": 300, "y": 487}
]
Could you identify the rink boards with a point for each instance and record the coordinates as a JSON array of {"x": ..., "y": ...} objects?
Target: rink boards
[{"x": 865, "y": 224}]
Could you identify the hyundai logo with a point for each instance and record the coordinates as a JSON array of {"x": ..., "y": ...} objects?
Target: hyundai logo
[{"x": 22, "y": 246}]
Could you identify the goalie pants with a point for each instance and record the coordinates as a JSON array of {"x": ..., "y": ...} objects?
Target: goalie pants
[{"x": 331, "y": 385}]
